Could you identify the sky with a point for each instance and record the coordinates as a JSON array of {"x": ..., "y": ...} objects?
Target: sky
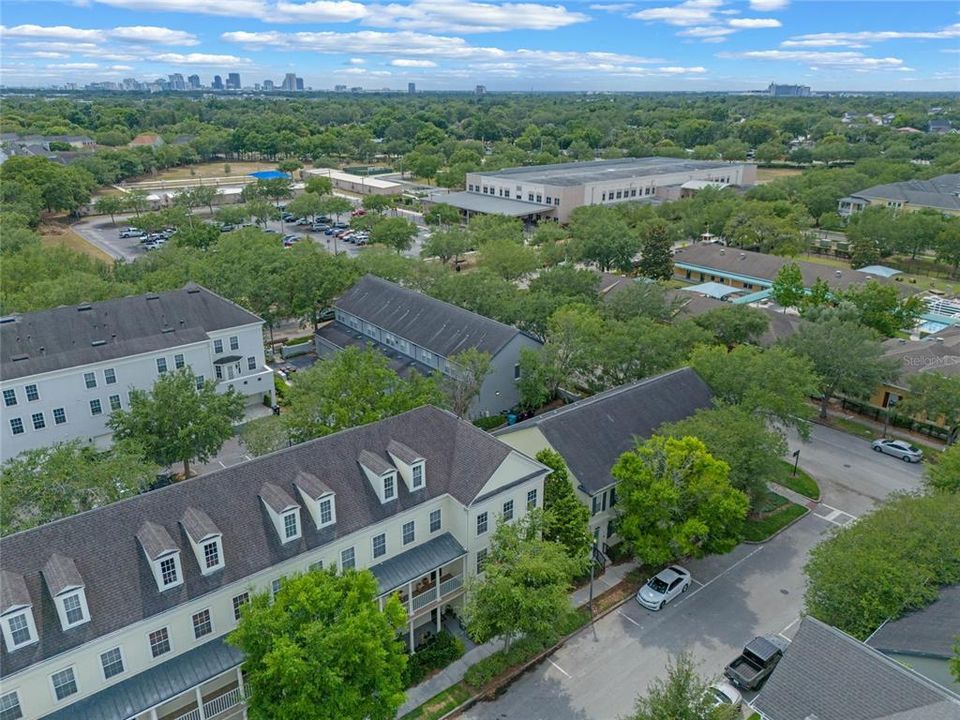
[{"x": 655, "y": 45}]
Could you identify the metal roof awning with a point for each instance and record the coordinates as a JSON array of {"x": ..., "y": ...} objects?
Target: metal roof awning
[
  {"x": 227, "y": 360},
  {"x": 417, "y": 562},
  {"x": 753, "y": 297},
  {"x": 477, "y": 202},
  {"x": 881, "y": 270},
  {"x": 157, "y": 685},
  {"x": 713, "y": 289}
]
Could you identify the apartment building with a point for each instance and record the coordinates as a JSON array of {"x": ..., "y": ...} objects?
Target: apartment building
[
  {"x": 419, "y": 333},
  {"x": 122, "y": 612},
  {"x": 64, "y": 371},
  {"x": 591, "y": 434},
  {"x": 941, "y": 193}
]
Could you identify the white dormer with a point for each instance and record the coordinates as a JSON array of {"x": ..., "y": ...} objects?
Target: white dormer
[
  {"x": 283, "y": 510},
  {"x": 16, "y": 612},
  {"x": 410, "y": 464},
  {"x": 381, "y": 474},
  {"x": 319, "y": 499},
  {"x": 67, "y": 590},
  {"x": 163, "y": 554},
  {"x": 205, "y": 539}
]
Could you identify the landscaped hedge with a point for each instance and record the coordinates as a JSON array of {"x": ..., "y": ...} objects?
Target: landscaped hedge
[
  {"x": 489, "y": 423},
  {"x": 437, "y": 653}
]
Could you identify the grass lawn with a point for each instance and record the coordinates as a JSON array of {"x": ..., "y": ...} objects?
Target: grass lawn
[
  {"x": 824, "y": 260},
  {"x": 55, "y": 234},
  {"x": 440, "y": 704},
  {"x": 765, "y": 175},
  {"x": 759, "y": 529},
  {"x": 205, "y": 170},
  {"x": 802, "y": 483}
]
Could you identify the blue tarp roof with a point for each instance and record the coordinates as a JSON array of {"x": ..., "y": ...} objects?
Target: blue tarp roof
[
  {"x": 269, "y": 175},
  {"x": 881, "y": 270},
  {"x": 713, "y": 289}
]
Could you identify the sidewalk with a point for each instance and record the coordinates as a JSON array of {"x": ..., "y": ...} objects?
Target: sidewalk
[
  {"x": 453, "y": 673},
  {"x": 894, "y": 432},
  {"x": 792, "y": 496}
]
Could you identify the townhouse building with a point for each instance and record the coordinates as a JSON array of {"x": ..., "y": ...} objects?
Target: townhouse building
[
  {"x": 941, "y": 193},
  {"x": 64, "y": 371},
  {"x": 419, "y": 333},
  {"x": 122, "y": 612},
  {"x": 591, "y": 434}
]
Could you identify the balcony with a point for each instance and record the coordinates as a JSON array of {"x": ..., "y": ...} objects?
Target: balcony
[
  {"x": 450, "y": 585},
  {"x": 215, "y": 706}
]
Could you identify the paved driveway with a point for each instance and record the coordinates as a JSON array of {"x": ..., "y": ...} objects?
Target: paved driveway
[{"x": 99, "y": 231}]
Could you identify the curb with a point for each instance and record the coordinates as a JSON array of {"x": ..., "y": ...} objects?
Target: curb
[{"x": 798, "y": 518}]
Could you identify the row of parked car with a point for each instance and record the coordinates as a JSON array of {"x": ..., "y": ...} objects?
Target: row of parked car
[{"x": 150, "y": 241}]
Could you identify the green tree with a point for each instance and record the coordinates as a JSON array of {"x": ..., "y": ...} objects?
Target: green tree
[
  {"x": 178, "y": 422},
  {"x": 397, "y": 233},
  {"x": 890, "y": 561},
  {"x": 684, "y": 695},
  {"x": 262, "y": 211},
  {"x": 49, "y": 483},
  {"x": 306, "y": 205},
  {"x": 463, "y": 387},
  {"x": 197, "y": 234},
  {"x": 265, "y": 435},
  {"x": 289, "y": 166},
  {"x": 508, "y": 259},
  {"x": 566, "y": 520},
  {"x": 335, "y": 206},
  {"x": 109, "y": 205},
  {"x": 945, "y": 473},
  {"x": 319, "y": 185},
  {"x": 355, "y": 387},
  {"x": 937, "y": 397},
  {"x": 446, "y": 244},
  {"x": 948, "y": 245},
  {"x": 788, "y": 288},
  {"x": 639, "y": 299},
  {"x": 676, "y": 501},
  {"x": 600, "y": 235},
  {"x": 137, "y": 201},
  {"x": 204, "y": 195},
  {"x": 322, "y": 649},
  {"x": 524, "y": 586},
  {"x": 442, "y": 214},
  {"x": 735, "y": 324},
  {"x": 233, "y": 214},
  {"x": 846, "y": 357},
  {"x": 882, "y": 308},
  {"x": 739, "y": 438},
  {"x": 863, "y": 252},
  {"x": 378, "y": 204},
  {"x": 656, "y": 259},
  {"x": 484, "y": 228},
  {"x": 538, "y": 379}
]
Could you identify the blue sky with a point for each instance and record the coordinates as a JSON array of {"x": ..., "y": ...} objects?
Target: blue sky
[{"x": 455, "y": 44}]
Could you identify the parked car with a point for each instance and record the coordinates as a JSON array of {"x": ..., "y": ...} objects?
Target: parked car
[
  {"x": 324, "y": 219},
  {"x": 288, "y": 217},
  {"x": 319, "y": 227},
  {"x": 329, "y": 231},
  {"x": 753, "y": 666},
  {"x": 359, "y": 212},
  {"x": 131, "y": 232},
  {"x": 341, "y": 225},
  {"x": 304, "y": 221},
  {"x": 664, "y": 587},
  {"x": 723, "y": 694},
  {"x": 227, "y": 227},
  {"x": 899, "y": 449},
  {"x": 153, "y": 245}
]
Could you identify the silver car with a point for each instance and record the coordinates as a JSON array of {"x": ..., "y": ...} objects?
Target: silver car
[
  {"x": 722, "y": 693},
  {"x": 899, "y": 449},
  {"x": 664, "y": 587}
]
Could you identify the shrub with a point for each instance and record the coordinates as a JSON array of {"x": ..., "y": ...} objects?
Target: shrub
[
  {"x": 281, "y": 388},
  {"x": 489, "y": 423},
  {"x": 437, "y": 653}
]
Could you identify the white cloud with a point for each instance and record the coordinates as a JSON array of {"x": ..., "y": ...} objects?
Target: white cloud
[
  {"x": 408, "y": 63},
  {"x": 612, "y": 7},
  {"x": 199, "y": 59},
  {"x": 138, "y": 34},
  {"x": 356, "y": 61},
  {"x": 74, "y": 66},
  {"x": 318, "y": 11},
  {"x": 768, "y": 5},
  {"x": 862, "y": 39},
  {"x": 674, "y": 70},
  {"x": 47, "y": 54},
  {"x": 121, "y": 68},
  {"x": 708, "y": 31},
  {"x": 155, "y": 35},
  {"x": 691, "y": 12},
  {"x": 57, "y": 32},
  {"x": 754, "y": 23},
  {"x": 229, "y": 8},
  {"x": 851, "y": 60}
]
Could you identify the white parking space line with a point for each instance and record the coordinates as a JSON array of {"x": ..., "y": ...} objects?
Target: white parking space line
[
  {"x": 794, "y": 622},
  {"x": 558, "y": 667},
  {"x": 709, "y": 582},
  {"x": 628, "y": 618},
  {"x": 693, "y": 579},
  {"x": 221, "y": 464}
]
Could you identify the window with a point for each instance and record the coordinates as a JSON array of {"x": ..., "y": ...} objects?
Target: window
[
  {"x": 168, "y": 571},
  {"x": 516, "y": 371},
  {"x": 290, "y": 529},
  {"x": 219, "y": 371},
  {"x": 64, "y": 683},
  {"x": 114, "y": 402},
  {"x": 10, "y": 706},
  {"x": 326, "y": 511},
  {"x": 39, "y": 423},
  {"x": 316, "y": 566},
  {"x": 90, "y": 380},
  {"x": 596, "y": 505},
  {"x": 275, "y": 586},
  {"x": 32, "y": 392},
  {"x": 9, "y": 400},
  {"x": 418, "y": 475},
  {"x": 532, "y": 499},
  {"x": 159, "y": 642},
  {"x": 409, "y": 532},
  {"x": 19, "y": 630},
  {"x": 379, "y": 545},
  {"x": 347, "y": 559},
  {"x": 238, "y": 602},
  {"x": 218, "y": 346},
  {"x": 556, "y": 202},
  {"x": 508, "y": 510},
  {"x": 178, "y": 361},
  {"x": 95, "y": 407},
  {"x": 59, "y": 416},
  {"x": 435, "y": 520},
  {"x": 16, "y": 426},
  {"x": 211, "y": 554},
  {"x": 112, "y": 662},
  {"x": 481, "y": 560},
  {"x": 73, "y": 609},
  {"x": 251, "y": 363},
  {"x": 539, "y": 198},
  {"x": 201, "y": 624},
  {"x": 199, "y": 382},
  {"x": 388, "y": 487},
  {"x": 613, "y": 496},
  {"x": 161, "y": 365},
  {"x": 234, "y": 342},
  {"x": 481, "y": 523},
  {"x": 611, "y": 529},
  {"x": 109, "y": 376},
  {"x": 530, "y": 197}
]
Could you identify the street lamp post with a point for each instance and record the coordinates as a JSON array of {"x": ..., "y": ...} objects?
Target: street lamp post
[
  {"x": 796, "y": 461},
  {"x": 891, "y": 404}
]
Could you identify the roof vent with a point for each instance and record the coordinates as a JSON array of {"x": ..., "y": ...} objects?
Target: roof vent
[
  {"x": 83, "y": 308},
  {"x": 743, "y": 256},
  {"x": 722, "y": 251},
  {"x": 153, "y": 297},
  {"x": 98, "y": 343},
  {"x": 167, "y": 330},
  {"x": 8, "y": 319},
  {"x": 193, "y": 290},
  {"x": 18, "y": 358}
]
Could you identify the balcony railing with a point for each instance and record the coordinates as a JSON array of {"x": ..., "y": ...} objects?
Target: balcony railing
[
  {"x": 223, "y": 702},
  {"x": 192, "y": 715},
  {"x": 425, "y": 598},
  {"x": 451, "y": 584}
]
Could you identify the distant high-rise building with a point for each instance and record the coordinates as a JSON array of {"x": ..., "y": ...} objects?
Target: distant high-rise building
[
  {"x": 411, "y": 88},
  {"x": 217, "y": 83},
  {"x": 788, "y": 90},
  {"x": 132, "y": 84},
  {"x": 289, "y": 82},
  {"x": 176, "y": 82},
  {"x": 300, "y": 84},
  {"x": 194, "y": 81},
  {"x": 268, "y": 85},
  {"x": 233, "y": 81},
  {"x": 480, "y": 90},
  {"x": 339, "y": 88}
]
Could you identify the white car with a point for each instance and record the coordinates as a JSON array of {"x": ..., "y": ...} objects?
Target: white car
[
  {"x": 899, "y": 449},
  {"x": 664, "y": 587},
  {"x": 722, "y": 694}
]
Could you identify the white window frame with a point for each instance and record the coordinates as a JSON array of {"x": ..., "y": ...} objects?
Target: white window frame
[
  {"x": 76, "y": 683},
  {"x": 237, "y": 605},
  {"x": 16, "y": 699},
  {"x": 179, "y": 361},
  {"x": 485, "y": 518},
  {"x": 234, "y": 342},
  {"x": 533, "y": 499},
  {"x": 161, "y": 365},
  {"x": 123, "y": 663},
  {"x": 36, "y": 390},
  {"x": 99, "y": 406},
  {"x": 283, "y": 524},
  {"x": 329, "y": 500},
  {"x": 508, "y": 510},
  {"x": 150, "y": 642},
  {"x": 27, "y": 612},
  {"x": 353, "y": 558},
  {"x": 218, "y": 345},
  {"x": 17, "y": 423},
  {"x": 251, "y": 362},
  {"x": 63, "y": 413},
  {"x": 61, "y": 603},
  {"x": 114, "y": 406},
  {"x": 86, "y": 380},
  {"x": 158, "y": 571},
  {"x": 209, "y": 621},
  {"x": 218, "y": 543},
  {"x": 412, "y": 524},
  {"x": 107, "y": 378},
  {"x": 439, "y": 520},
  {"x": 417, "y": 482},
  {"x": 34, "y": 417},
  {"x": 373, "y": 543},
  {"x": 9, "y": 394},
  {"x": 390, "y": 477},
  {"x": 481, "y": 559}
]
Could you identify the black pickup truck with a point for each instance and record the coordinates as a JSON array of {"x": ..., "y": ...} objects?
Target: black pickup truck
[{"x": 754, "y": 665}]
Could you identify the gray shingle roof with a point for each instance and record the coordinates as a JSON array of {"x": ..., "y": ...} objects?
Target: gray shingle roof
[
  {"x": 401, "y": 451},
  {"x": 310, "y": 484},
  {"x": 120, "y": 588},
  {"x": 577, "y": 173},
  {"x": 65, "y": 337},
  {"x": 155, "y": 540},
  {"x": 61, "y": 573},
  {"x": 440, "y": 327},
  {"x": 414, "y": 563},
  {"x": 13, "y": 591},
  {"x": 941, "y": 192},
  {"x": 591, "y": 434},
  {"x": 928, "y": 632},
  {"x": 276, "y": 499},
  {"x": 938, "y": 353},
  {"x": 198, "y": 524},
  {"x": 831, "y": 676},
  {"x": 374, "y": 463}
]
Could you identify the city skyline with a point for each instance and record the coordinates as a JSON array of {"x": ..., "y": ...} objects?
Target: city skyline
[{"x": 628, "y": 46}]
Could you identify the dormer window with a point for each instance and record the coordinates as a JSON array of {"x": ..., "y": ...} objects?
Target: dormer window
[
  {"x": 211, "y": 555},
  {"x": 73, "y": 609},
  {"x": 169, "y": 571},
  {"x": 409, "y": 463},
  {"x": 16, "y": 612},
  {"x": 389, "y": 486},
  {"x": 381, "y": 474},
  {"x": 417, "y": 476},
  {"x": 67, "y": 590},
  {"x": 291, "y": 529},
  {"x": 283, "y": 510},
  {"x": 318, "y": 497},
  {"x": 326, "y": 511},
  {"x": 18, "y": 629},
  {"x": 163, "y": 554},
  {"x": 205, "y": 539}
]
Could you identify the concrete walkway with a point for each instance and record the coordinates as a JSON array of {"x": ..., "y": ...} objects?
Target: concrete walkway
[
  {"x": 792, "y": 496},
  {"x": 453, "y": 673}
]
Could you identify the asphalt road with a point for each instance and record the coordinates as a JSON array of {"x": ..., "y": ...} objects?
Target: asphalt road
[{"x": 755, "y": 590}]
